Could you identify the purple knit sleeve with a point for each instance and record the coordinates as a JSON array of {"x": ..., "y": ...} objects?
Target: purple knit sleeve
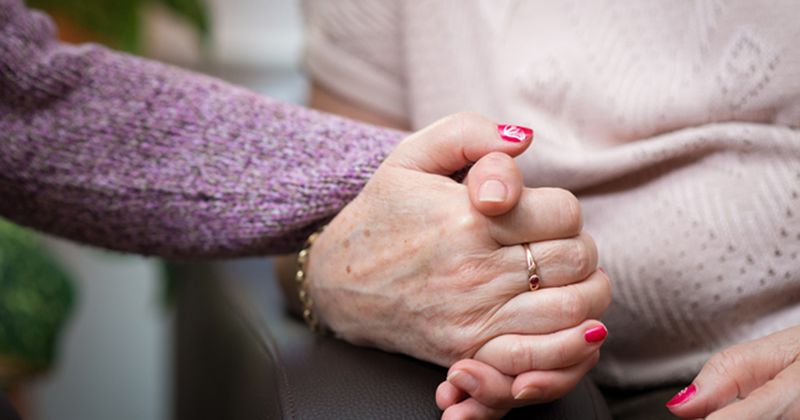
[{"x": 133, "y": 155}]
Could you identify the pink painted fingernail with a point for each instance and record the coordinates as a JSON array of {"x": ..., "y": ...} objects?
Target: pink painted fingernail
[
  {"x": 515, "y": 133},
  {"x": 596, "y": 334},
  {"x": 683, "y": 396}
]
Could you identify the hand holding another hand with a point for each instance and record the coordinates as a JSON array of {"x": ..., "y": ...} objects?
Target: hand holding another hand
[{"x": 424, "y": 265}]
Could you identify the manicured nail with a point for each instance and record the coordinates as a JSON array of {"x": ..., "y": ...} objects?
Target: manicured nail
[
  {"x": 515, "y": 133},
  {"x": 492, "y": 191},
  {"x": 596, "y": 334},
  {"x": 526, "y": 394},
  {"x": 463, "y": 380},
  {"x": 683, "y": 396}
]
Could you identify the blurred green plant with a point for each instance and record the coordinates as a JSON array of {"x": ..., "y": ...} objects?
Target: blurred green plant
[
  {"x": 120, "y": 20},
  {"x": 36, "y": 297}
]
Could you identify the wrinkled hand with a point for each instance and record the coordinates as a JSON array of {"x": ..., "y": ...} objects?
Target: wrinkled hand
[
  {"x": 759, "y": 379},
  {"x": 411, "y": 266},
  {"x": 513, "y": 370}
]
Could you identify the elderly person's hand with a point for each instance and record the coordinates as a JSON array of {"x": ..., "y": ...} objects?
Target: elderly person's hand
[
  {"x": 412, "y": 266},
  {"x": 511, "y": 371},
  {"x": 759, "y": 379}
]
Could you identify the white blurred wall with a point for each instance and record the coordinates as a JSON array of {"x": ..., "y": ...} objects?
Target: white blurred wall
[{"x": 115, "y": 356}]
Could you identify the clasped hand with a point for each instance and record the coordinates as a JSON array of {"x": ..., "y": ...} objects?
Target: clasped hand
[{"x": 424, "y": 265}]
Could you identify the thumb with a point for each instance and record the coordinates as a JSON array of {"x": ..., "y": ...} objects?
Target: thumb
[
  {"x": 494, "y": 184},
  {"x": 455, "y": 141},
  {"x": 731, "y": 374}
]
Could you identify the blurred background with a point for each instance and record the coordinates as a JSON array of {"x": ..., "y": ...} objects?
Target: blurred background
[{"x": 113, "y": 331}]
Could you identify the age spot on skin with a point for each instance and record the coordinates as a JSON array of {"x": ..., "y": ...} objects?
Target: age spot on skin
[
  {"x": 366, "y": 233},
  {"x": 349, "y": 270},
  {"x": 346, "y": 243}
]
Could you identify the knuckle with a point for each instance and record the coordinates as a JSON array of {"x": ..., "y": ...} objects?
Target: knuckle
[
  {"x": 788, "y": 352},
  {"x": 460, "y": 122},
  {"x": 590, "y": 248},
  {"x": 574, "y": 308},
  {"x": 521, "y": 358},
  {"x": 454, "y": 125},
  {"x": 585, "y": 261},
  {"x": 725, "y": 362},
  {"x": 469, "y": 273},
  {"x": 570, "y": 211},
  {"x": 562, "y": 353},
  {"x": 470, "y": 223}
]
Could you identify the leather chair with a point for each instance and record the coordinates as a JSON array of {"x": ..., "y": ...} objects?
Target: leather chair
[
  {"x": 7, "y": 411},
  {"x": 239, "y": 355}
]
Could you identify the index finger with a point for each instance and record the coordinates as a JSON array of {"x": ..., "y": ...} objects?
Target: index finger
[
  {"x": 541, "y": 214},
  {"x": 777, "y": 399}
]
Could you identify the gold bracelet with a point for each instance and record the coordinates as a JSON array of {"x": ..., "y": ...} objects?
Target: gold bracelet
[{"x": 302, "y": 285}]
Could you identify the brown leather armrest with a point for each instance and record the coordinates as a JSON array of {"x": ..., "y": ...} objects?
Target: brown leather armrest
[{"x": 240, "y": 356}]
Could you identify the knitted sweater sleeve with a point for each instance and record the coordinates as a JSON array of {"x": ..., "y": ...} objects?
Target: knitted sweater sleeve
[{"x": 129, "y": 154}]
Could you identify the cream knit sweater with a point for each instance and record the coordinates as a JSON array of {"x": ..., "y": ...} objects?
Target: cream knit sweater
[{"x": 677, "y": 123}]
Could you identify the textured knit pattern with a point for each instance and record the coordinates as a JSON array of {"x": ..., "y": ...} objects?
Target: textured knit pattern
[
  {"x": 677, "y": 123},
  {"x": 133, "y": 155}
]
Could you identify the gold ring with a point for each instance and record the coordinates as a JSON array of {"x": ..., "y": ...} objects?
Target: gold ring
[{"x": 533, "y": 279}]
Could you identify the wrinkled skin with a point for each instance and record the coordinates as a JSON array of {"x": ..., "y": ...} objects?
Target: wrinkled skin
[{"x": 412, "y": 266}]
